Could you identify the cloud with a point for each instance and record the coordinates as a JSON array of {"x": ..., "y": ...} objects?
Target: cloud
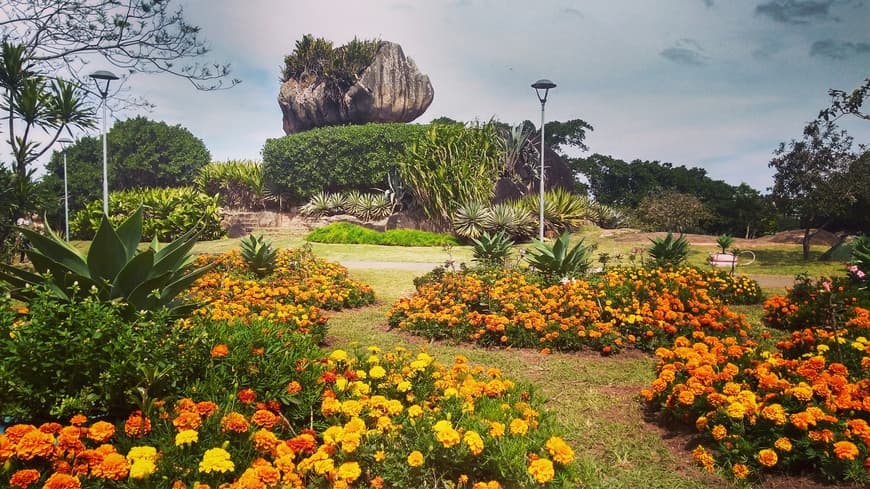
[
  {"x": 709, "y": 3},
  {"x": 834, "y": 49},
  {"x": 573, "y": 11},
  {"x": 796, "y": 11},
  {"x": 685, "y": 52}
]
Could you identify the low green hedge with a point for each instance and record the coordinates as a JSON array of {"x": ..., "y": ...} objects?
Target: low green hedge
[{"x": 347, "y": 233}]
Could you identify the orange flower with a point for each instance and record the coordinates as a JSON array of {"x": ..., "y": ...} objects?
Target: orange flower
[
  {"x": 101, "y": 431},
  {"x": 542, "y": 470},
  {"x": 294, "y": 387},
  {"x": 247, "y": 396},
  {"x": 187, "y": 420},
  {"x": 740, "y": 471},
  {"x": 845, "y": 450},
  {"x": 62, "y": 481},
  {"x": 234, "y": 422},
  {"x": 264, "y": 419},
  {"x": 35, "y": 444},
  {"x": 265, "y": 440},
  {"x": 767, "y": 457},
  {"x": 206, "y": 408},
  {"x": 113, "y": 467},
  {"x": 137, "y": 426},
  {"x": 78, "y": 420},
  {"x": 22, "y": 479},
  {"x": 219, "y": 351}
]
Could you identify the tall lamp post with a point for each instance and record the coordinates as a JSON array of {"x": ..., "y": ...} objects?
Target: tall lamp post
[
  {"x": 108, "y": 76},
  {"x": 63, "y": 143},
  {"x": 544, "y": 85}
]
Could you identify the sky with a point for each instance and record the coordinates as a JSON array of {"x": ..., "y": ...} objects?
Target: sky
[{"x": 716, "y": 84}]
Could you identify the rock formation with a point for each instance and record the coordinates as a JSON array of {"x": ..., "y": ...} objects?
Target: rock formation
[{"x": 391, "y": 89}]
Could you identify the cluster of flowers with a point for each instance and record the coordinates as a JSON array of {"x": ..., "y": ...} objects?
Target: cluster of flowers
[
  {"x": 391, "y": 419},
  {"x": 294, "y": 294},
  {"x": 807, "y": 404},
  {"x": 635, "y": 307}
]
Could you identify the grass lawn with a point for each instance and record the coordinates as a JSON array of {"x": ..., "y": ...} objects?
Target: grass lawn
[{"x": 594, "y": 397}]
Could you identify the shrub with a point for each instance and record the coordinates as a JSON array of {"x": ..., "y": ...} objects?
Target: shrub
[
  {"x": 492, "y": 250},
  {"x": 471, "y": 218},
  {"x": 168, "y": 213},
  {"x": 238, "y": 184},
  {"x": 333, "y": 159},
  {"x": 668, "y": 251},
  {"x": 512, "y": 219},
  {"x": 563, "y": 211},
  {"x": 671, "y": 211},
  {"x": 559, "y": 262},
  {"x": 348, "y": 233},
  {"x": 259, "y": 255}
]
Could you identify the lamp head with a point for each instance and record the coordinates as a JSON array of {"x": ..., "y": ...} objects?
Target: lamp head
[
  {"x": 108, "y": 76},
  {"x": 545, "y": 85}
]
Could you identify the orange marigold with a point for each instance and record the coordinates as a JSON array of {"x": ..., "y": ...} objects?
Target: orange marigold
[
  {"x": 35, "y": 444},
  {"x": 264, "y": 440},
  {"x": 206, "y": 408},
  {"x": 24, "y": 478},
  {"x": 78, "y": 420},
  {"x": 113, "y": 467},
  {"x": 62, "y": 481},
  {"x": 235, "y": 422},
  {"x": 542, "y": 470},
  {"x": 187, "y": 420},
  {"x": 264, "y": 419},
  {"x": 219, "y": 351},
  {"x": 137, "y": 426},
  {"x": 247, "y": 396},
  {"x": 845, "y": 450},
  {"x": 740, "y": 471},
  {"x": 101, "y": 431},
  {"x": 767, "y": 457}
]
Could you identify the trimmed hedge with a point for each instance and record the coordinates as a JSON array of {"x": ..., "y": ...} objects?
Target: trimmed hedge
[
  {"x": 335, "y": 159},
  {"x": 348, "y": 233}
]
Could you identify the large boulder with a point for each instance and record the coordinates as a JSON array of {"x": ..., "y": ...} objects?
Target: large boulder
[{"x": 391, "y": 89}]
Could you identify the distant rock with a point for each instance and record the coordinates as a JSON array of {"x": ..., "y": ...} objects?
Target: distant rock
[{"x": 391, "y": 89}]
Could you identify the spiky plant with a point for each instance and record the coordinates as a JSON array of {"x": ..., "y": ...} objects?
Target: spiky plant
[
  {"x": 321, "y": 204},
  {"x": 259, "y": 255},
  {"x": 470, "y": 219},
  {"x": 563, "y": 211},
  {"x": 560, "y": 262},
  {"x": 373, "y": 207},
  {"x": 512, "y": 219},
  {"x": 724, "y": 241},
  {"x": 669, "y": 251},
  {"x": 492, "y": 250}
]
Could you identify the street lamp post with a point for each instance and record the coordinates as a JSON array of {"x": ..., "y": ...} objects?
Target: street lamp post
[
  {"x": 64, "y": 142},
  {"x": 108, "y": 76},
  {"x": 544, "y": 85}
]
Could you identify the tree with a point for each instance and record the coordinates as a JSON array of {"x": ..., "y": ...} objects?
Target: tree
[
  {"x": 143, "y": 153},
  {"x": 559, "y": 135},
  {"x": 846, "y": 103},
  {"x": 149, "y": 36},
  {"x": 814, "y": 179},
  {"x": 672, "y": 211}
]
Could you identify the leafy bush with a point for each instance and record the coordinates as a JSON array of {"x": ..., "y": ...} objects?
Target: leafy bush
[
  {"x": 113, "y": 269},
  {"x": 668, "y": 251},
  {"x": 59, "y": 359},
  {"x": 669, "y": 210},
  {"x": 259, "y": 255},
  {"x": 333, "y": 159},
  {"x": 560, "y": 262},
  {"x": 860, "y": 263},
  {"x": 339, "y": 68},
  {"x": 238, "y": 184},
  {"x": 168, "y": 213},
  {"x": 491, "y": 250},
  {"x": 347, "y": 233},
  {"x": 815, "y": 303}
]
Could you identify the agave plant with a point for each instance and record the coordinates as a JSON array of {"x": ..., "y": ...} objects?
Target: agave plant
[
  {"x": 113, "y": 269},
  {"x": 470, "y": 219},
  {"x": 259, "y": 255},
  {"x": 372, "y": 207},
  {"x": 491, "y": 249},
  {"x": 512, "y": 219},
  {"x": 323, "y": 204},
  {"x": 560, "y": 262},
  {"x": 669, "y": 251},
  {"x": 724, "y": 242},
  {"x": 861, "y": 255},
  {"x": 563, "y": 211}
]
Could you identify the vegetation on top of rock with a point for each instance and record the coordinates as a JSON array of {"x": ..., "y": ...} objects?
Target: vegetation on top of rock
[{"x": 338, "y": 67}]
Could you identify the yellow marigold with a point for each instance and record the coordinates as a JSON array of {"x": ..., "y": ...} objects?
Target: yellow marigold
[
  {"x": 216, "y": 460},
  {"x": 473, "y": 441},
  {"x": 264, "y": 440},
  {"x": 719, "y": 432},
  {"x": 486, "y": 485},
  {"x": 403, "y": 386},
  {"x": 802, "y": 391},
  {"x": 496, "y": 429},
  {"x": 542, "y": 470},
  {"x": 235, "y": 422},
  {"x": 380, "y": 456},
  {"x": 445, "y": 433},
  {"x": 142, "y": 469},
  {"x": 142, "y": 452},
  {"x": 740, "y": 471},
  {"x": 349, "y": 471},
  {"x": 62, "y": 481},
  {"x": 519, "y": 427},
  {"x": 783, "y": 444},
  {"x": 101, "y": 431},
  {"x": 775, "y": 413},
  {"x": 736, "y": 410},
  {"x": 186, "y": 437},
  {"x": 22, "y": 479},
  {"x": 767, "y": 457},
  {"x": 113, "y": 467},
  {"x": 35, "y": 444},
  {"x": 338, "y": 356},
  {"x": 415, "y": 459},
  {"x": 377, "y": 372},
  {"x": 560, "y": 451},
  {"x": 686, "y": 397},
  {"x": 845, "y": 450}
]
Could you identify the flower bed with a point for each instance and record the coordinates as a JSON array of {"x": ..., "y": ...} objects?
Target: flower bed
[
  {"x": 637, "y": 307},
  {"x": 391, "y": 419}
]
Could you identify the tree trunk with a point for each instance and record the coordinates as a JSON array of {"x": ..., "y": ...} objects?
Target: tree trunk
[{"x": 806, "y": 243}]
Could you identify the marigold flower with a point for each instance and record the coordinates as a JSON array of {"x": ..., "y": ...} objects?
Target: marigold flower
[
  {"x": 719, "y": 432},
  {"x": 380, "y": 456},
  {"x": 783, "y": 444},
  {"x": 740, "y": 471},
  {"x": 186, "y": 438},
  {"x": 775, "y": 413},
  {"x": 216, "y": 460},
  {"x": 415, "y": 459},
  {"x": 560, "y": 451},
  {"x": 265, "y": 419},
  {"x": 142, "y": 469},
  {"x": 518, "y": 427},
  {"x": 349, "y": 471},
  {"x": 62, "y": 481},
  {"x": 736, "y": 410},
  {"x": 137, "y": 426},
  {"x": 445, "y": 433},
  {"x": 35, "y": 444},
  {"x": 78, "y": 420},
  {"x": 496, "y": 429},
  {"x": 22, "y": 479},
  {"x": 187, "y": 420},
  {"x": 234, "y": 422},
  {"x": 142, "y": 453},
  {"x": 767, "y": 457},
  {"x": 220, "y": 350},
  {"x": 246, "y": 396},
  {"x": 542, "y": 470},
  {"x": 845, "y": 450},
  {"x": 114, "y": 467},
  {"x": 294, "y": 387},
  {"x": 264, "y": 440},
  {"x": 473, "y": 441},
  {"x": 101, "y": 431}
]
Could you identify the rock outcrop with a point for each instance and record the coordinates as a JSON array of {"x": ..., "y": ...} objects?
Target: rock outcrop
[{"x": 391, "y": 89}]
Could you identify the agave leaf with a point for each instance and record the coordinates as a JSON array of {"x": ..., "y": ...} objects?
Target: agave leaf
[
  {"x": 139, "y": 298},
  {"x": 107, "y": 254},
  {"x": 134, "y": 273},
  {"x": 130, "y": 232},
  {"x": 61, "y": 252},
  {"x": 183, "y": 283},
  {"x": 175, "y": 255}
]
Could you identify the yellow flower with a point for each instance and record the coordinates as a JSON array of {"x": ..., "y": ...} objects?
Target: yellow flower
[
  {"x": 740, "y": 471},
  {"x": 559, "y": 450},
  {"x": 719, "y": 432},
  {"x": 519, "y": 427},
  {"x": 767, "y": 457},
  {"x": 338, "y": 356},
  {"x": 783, "y": 444},
  {"x": 736, "y": 410},
  {"x": 377, "y": 372},
  {"x": 186, "y": 437},
  {"x": 380, "y": 456},
  {"x": 445, "y": 433},
  {"x": 142, "y": 469},
  {"x": 216, "y": 460},
  {"x": 542, "y": 470},
  {"x": 142, "y": 452},
  {"x": 415, "y": 411},
  {"x": 404, "y": 386},
  {"x": 473, "y": 441},
  {"x": 415, "y": 459},
  {"x": 496, "y": 429},
  {"x": 349, "y": 471}
]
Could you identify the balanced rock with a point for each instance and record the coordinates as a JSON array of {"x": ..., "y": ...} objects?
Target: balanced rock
[{"x": 391, "y": 89}]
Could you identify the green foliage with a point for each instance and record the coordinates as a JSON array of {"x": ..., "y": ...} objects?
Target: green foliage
[
  {"x": 259, "y": 255},
  {"x": 563, "y": 211},
  {"x": 559, "y": 135},
  {"x": 324, "y": 204},
  {"x": 821, "y": 303},
  {"x": 333, "y": 159},
  {"x": 368, "y": 206},
  {"x": 347, "y": 233},
  {"x": 491, "y": 250},
  {"x": 561, "y": 262},
  {"x": 168, "y": 213},
  {"x": 724, "y": 242},
  {"x": 113, "y": 269},
  {"x": 668, "y": 251},
  {"x": 338, "y": 68},
  {"x": 512, "y": 219},
  {"x": 60, "y": 359},
  {"x": 861, "y": 253},
  {"x": 142, "y": 153},
  {"x": 671, "y": 211},
  {"x": 237, "y": 183},
  {"x": 452, "y": 164},
  {"x": 471, "y": 218}
]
